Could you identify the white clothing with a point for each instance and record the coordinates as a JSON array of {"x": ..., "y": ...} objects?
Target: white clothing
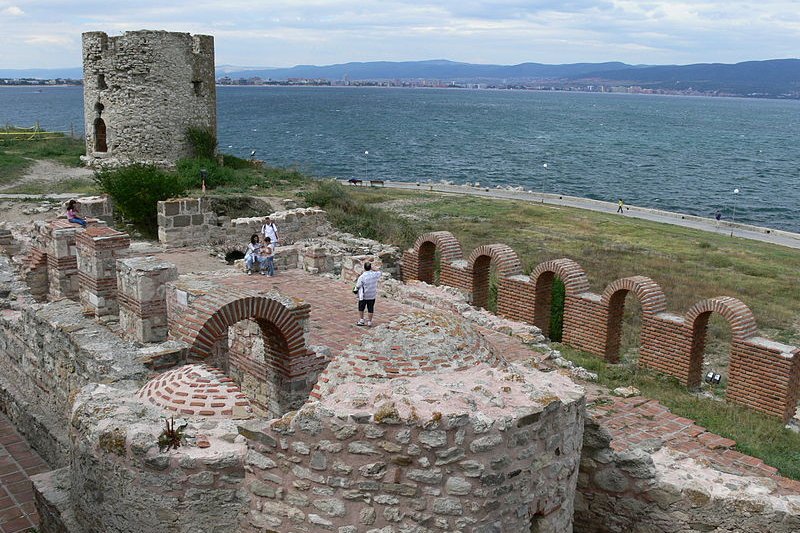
[
  {"x": 270, "y": 230},
  {"x": 367, "y": 284},
  {"x": 252, "y": 250}
]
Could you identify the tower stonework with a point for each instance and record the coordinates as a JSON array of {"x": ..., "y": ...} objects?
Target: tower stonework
[{"x": 142, "y": 90}]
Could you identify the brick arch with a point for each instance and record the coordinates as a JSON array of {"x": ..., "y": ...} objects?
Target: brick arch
[
  {"x": 480, "y": 261},
  {"x": 575, "y": 282},
  {"x": 425, "y": 249},
  {"x": 270, "y": 314},
  {"x": 649, "y": 294},
  {"x": 740, "y": 318}
]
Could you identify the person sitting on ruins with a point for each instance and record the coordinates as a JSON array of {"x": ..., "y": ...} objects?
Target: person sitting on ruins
[
  {"x": 72, "y": 214},
  {"x": 253, "y": 255}
]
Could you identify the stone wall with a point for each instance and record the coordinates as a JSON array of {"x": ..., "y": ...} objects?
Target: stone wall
[
  {"x": 47, "y": 354},
  {"x": 764, "y": 374},
  {"x": 666, "y": 491},
  {"x": 119, "y": 481},
  {"x": 143, "y": 298},
  {"x": 412, "y": 455},
  {"x": 186, "y": 222},
  {"x": 142, "y": 90}
]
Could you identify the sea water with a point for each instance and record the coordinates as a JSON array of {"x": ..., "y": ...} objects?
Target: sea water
[{"x": 684, "y": 154}]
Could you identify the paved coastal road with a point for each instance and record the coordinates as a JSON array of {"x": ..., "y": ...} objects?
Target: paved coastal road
[{"x": 744, "y": 231}]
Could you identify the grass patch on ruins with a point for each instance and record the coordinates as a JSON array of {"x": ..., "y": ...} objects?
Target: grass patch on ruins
[
  {"x": 71, "y": 185},
  {"x": 17, "y": 154},
  {"x": 755, "y": 434}
]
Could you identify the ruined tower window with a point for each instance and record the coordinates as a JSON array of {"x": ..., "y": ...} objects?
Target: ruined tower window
[
  {"x": 101, "y": 81},
  {"x": 99, "y": 107},
  {"x": 100, "y": 135},
  {"x": 198, "y": 87}
]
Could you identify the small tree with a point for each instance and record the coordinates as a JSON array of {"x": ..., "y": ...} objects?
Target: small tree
[{"x": 136, "y": 189}]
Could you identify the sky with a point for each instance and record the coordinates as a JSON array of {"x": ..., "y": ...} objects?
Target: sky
[{"x": 283, "y": 33}]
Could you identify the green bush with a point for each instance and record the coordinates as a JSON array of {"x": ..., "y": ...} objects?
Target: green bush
[
  {"x": 216, "y": 176},
  {"x": 557, "y": 310},
  {"x": 236, "y": 163},
  {"x": 136, "y": 189},
  {"x": 203, "y": 142},
  {"x": 349, "y": 214}
]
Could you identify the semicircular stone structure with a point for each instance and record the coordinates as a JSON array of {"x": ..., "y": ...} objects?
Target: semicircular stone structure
[
  {"x": 197, "y": 390},
  {"x": 412, "y": 344}
]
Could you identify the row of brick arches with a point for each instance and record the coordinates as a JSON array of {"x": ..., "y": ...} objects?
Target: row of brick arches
[{"x": 763, "y": 374}]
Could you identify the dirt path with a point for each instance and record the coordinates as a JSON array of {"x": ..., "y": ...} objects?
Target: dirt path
[{"x": 44, "y": 172}]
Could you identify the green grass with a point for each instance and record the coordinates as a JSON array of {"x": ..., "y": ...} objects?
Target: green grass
[
  {"x": 72, "y": 185},
  {"x": 17, "y": 155},
  {"x": 755, "y": 434}
]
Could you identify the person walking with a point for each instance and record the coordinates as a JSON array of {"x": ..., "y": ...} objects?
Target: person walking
[
  {"x": 367, "y": 289},
  {"x": 269, "y": 229},
  {"x": 72, "y": 214},
  {"x": 620, "y": 205}
]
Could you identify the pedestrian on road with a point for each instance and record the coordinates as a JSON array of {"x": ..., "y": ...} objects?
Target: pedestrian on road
[
  {"x": 367, "y": 289},
  {"x": 269, "y": 229},
  {"x": 620, "y": 204}
]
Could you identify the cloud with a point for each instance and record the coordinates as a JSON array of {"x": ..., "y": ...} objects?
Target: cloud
[
  {"x": 12, "y": 11},
  {"x": 289, "y": 32}
]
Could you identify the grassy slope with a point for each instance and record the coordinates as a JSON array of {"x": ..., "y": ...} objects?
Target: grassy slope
[{"x": 16, "y": 155}]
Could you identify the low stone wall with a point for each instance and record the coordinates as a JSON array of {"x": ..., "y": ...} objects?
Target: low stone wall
[
  {"x": 192, "y": 222},
  {"x": 667, "y": 491},
  {"x": 420, "y": 454},
  {"x": 121, "y": 482},
  {"x": 47, "y": 354}
]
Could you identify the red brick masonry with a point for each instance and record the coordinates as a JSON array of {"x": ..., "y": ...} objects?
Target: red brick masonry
[{"x": 764, "y": 374}]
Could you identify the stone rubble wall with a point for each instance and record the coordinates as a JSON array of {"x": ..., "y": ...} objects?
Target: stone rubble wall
[
  {"x": 121, "y": 482},
  {"x": 667, "y": 491},
  {"x": 763, "y": 375},
  {"x": 147, "y": 87},
  {"x": 99, "y": 207},
  {"x": 47, "y": 354},
  {"x": 186, "y": 222},
  {"x": 410, "y": 455}
]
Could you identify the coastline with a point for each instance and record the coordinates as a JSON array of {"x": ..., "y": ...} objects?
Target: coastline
[{"x": 722, "y": 227}]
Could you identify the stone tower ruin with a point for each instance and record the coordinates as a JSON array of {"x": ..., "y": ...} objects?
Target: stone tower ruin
[{"x": 142, "y": 90}]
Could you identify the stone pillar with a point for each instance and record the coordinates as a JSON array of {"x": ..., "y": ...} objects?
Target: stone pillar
[
  {"x": 98, "y": 249},
  {"x": 142, "y": 300},
  {"x": 62, "y": 262}
]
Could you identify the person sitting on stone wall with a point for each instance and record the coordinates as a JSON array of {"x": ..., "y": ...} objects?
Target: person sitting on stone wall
[
  {"x": 253, "y": 255},
  {"x": 72, "y": 214}
]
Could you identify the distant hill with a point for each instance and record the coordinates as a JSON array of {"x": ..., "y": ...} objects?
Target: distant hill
[
  {"x": 42, "y": 73},
  {"x": 440, "y": 69},
  {"x": 774, "y": 77}
]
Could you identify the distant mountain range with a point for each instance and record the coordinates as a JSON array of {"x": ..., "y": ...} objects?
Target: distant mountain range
[{"x": 770, "y": 78}]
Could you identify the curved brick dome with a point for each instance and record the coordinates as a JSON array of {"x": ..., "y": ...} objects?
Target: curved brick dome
[
  {"x": 412, "y": 344},
  {"x": 197, "y": 390}
]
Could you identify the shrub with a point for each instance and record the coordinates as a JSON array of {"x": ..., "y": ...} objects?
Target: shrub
[
  {"x": 203, "y": 142},
  {"x": 216, "y": 176},
  {"x": 236, "y": 163},
  {"x": 349, "y": 214},
  {"x": 136, "y": 189}
]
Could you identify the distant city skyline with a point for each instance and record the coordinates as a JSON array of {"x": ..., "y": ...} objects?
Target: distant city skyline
[{"x": 284, "y": 33}]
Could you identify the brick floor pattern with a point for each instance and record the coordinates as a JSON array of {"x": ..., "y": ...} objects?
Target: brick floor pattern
[{"x": 17, "y": 463}]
